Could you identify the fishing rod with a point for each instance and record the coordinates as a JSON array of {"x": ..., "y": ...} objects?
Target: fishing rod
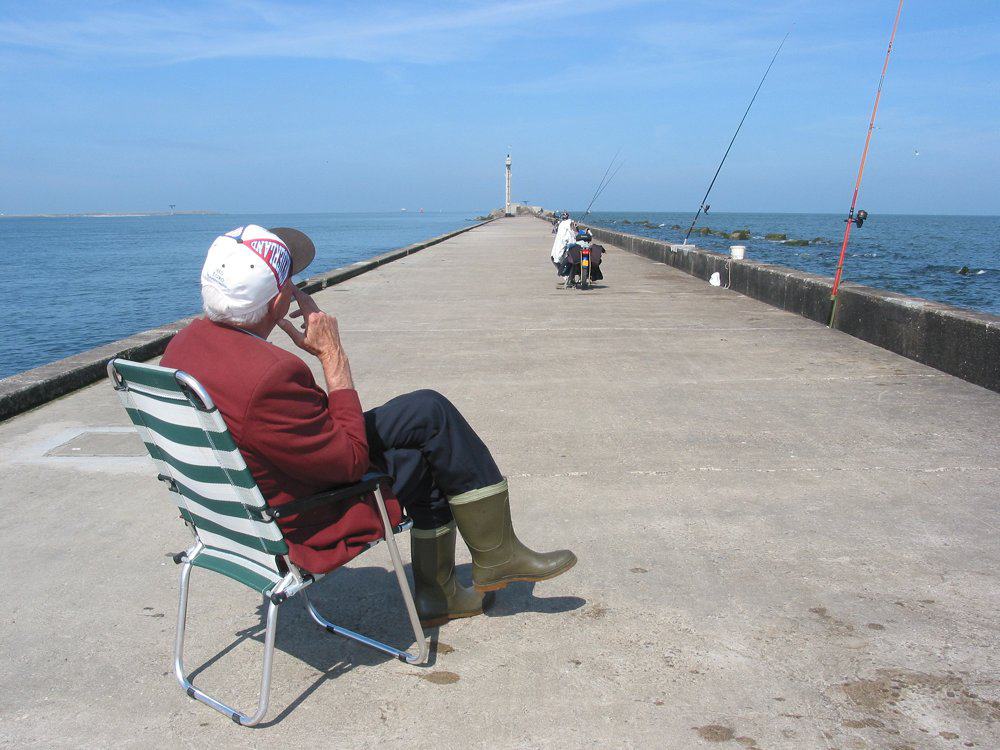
[
  {"x": 612, "y": 177},
  {"x": 704, "y": 206},
  {"x": 604, "y": 177},
  {"x": 851, "y": 219},
  {"x": 605, "y": 180}
]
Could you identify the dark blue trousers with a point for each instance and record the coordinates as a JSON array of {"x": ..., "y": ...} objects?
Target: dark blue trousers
[{"x": 431, "y": 452}]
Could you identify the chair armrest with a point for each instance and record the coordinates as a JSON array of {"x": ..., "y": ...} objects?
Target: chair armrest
[{"x": 331, "y": 496}]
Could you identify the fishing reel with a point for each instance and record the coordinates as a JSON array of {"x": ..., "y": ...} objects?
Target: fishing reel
[{"x": 858, "y": 220}]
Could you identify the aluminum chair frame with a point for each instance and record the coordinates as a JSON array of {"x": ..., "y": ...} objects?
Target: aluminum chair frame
[{"x": 294, "y": 583}]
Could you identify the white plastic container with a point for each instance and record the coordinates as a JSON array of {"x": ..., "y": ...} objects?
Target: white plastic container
[{"x": 738, "y": 251}]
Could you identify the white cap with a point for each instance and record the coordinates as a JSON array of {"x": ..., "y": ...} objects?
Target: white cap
[{"x": 250, "y": 264}]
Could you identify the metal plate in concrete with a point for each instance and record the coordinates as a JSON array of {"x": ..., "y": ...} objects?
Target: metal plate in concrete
[{"x": 103, "y": 444}]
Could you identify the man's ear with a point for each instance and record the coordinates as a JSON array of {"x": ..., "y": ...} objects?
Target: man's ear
[{"x": 275, "y": 304}]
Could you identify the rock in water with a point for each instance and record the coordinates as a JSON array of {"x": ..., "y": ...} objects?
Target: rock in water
[
  {"x": 775, "y": 236},
  {"x": 739, "y": 234}
]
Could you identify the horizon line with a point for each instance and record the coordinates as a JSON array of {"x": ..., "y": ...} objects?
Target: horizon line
[{"x": 206, "y": 212}]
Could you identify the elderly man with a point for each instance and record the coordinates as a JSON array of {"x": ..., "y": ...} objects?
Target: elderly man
[{"x": 298, "y": 439}]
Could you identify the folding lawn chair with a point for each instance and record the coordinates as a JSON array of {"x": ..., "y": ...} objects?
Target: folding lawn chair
[{"x": 235, "y": 531}]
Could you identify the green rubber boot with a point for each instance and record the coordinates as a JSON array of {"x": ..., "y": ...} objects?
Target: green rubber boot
[
  {"x": 438, "y": 594},
  {"x": 498, "y": 556}
]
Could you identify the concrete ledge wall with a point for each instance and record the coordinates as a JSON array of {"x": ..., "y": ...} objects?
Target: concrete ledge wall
[
  {"x": 956, "y": 341},
  {"x": 32, "y": 388}
]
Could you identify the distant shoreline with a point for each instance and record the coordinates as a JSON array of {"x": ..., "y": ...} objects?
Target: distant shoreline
[{"x": 109, "y": 215}]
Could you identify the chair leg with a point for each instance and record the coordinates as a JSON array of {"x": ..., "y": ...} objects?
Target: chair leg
[
  {"x": 423, "y": 649},
  {"x": 193, "y": 692}
]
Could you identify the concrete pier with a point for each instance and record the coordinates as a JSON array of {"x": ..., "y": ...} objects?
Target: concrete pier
[{"x": 787, "y": 537}]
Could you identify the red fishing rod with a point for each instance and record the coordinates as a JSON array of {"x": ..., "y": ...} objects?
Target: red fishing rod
[{"x": 851, "y": 219}]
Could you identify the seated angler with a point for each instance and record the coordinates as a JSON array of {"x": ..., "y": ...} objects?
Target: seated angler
[{"x": 298, "y": 439}]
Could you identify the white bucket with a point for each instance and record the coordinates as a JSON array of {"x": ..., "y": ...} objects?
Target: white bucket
[{"x": 738, "y": 251}]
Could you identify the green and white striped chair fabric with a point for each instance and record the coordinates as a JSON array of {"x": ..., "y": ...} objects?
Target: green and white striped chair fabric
[
  {"x": 235, "y": 532},
  {"x": 215, "y": 492}
]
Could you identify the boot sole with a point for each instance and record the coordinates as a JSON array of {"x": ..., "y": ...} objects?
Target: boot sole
[{"x": 497, "y": 585}]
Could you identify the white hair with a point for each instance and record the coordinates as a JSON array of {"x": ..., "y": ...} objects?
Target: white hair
[{"x": 216, "y": 306}]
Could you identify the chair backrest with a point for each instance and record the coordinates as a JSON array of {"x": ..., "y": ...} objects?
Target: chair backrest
[{"x": 190, "y": 444}]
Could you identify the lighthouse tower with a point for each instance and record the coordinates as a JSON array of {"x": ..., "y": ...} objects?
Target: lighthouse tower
[{"x": 507, "y": 174}]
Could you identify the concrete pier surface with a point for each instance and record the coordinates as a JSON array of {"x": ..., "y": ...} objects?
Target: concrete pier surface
[{"x": 787, "y": 537}]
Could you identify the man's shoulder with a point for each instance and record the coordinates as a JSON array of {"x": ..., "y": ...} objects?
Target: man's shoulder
[{"x": 207, "y": 347}]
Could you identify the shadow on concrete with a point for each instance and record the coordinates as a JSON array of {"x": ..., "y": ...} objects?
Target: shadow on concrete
[
  {"x": 367, "y": 601},
  {"x": 520, "y": 597}
]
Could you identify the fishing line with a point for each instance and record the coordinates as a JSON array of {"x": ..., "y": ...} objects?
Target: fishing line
[
  {"x": 703, "y": 206},
  {"x": 851, "y": 219}
]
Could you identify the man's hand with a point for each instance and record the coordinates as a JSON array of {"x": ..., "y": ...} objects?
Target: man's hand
[
  {"x": 320, "y": 336},
  {"x": 306, "y": 304}
]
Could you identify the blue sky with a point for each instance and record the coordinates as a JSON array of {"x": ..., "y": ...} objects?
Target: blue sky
[{"x": 271, "y": 106}]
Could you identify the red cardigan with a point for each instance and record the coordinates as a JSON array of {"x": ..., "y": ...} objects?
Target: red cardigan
[{"x": 295, "y": 438}]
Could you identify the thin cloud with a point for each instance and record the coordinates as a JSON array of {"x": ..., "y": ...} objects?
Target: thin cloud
[{"x": 406, "y": 33}]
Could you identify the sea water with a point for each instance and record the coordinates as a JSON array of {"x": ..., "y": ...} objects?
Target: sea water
[
  {"x": 73, "y": 283},
  {"x": 77, "y": 282},
  {"x": 922, "y": 256}
]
